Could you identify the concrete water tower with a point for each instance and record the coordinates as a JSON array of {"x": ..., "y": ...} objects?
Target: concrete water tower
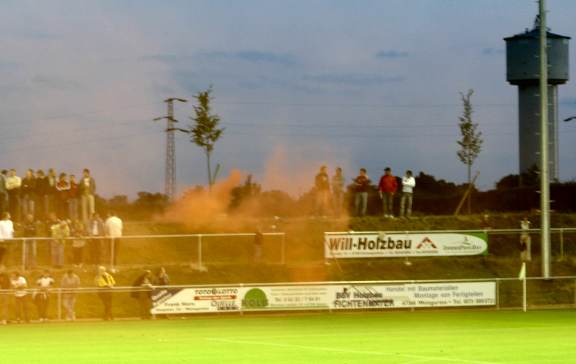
[{"x": 523, "y": 70}]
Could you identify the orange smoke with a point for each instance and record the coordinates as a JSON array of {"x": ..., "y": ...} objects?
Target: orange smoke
[{"x": 198, "y": 206}]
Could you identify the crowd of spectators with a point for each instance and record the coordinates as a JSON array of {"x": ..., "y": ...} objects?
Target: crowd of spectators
[
  {"x": 330, "y": 192},
  {"x": 18, "y": 293},
  {"x": 60, "y": 208}
]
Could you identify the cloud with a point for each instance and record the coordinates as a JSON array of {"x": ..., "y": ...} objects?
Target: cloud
[
  {"x": 55, "y": 83},
  {"x": 247, "y": 55},
  {"x": 166, "y": 58},
  {"x": 493, "y": 51},
  {"x": 254, "y": 56},
  {"x": 353, "y": 79},
  {"x": 392, "y": 54}
]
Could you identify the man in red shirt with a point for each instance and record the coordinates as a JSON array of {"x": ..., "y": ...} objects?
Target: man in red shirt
[{"x": 387, "y": 188}]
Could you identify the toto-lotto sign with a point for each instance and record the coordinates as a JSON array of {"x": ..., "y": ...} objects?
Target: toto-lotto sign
[{"x": 373, "y": 245}]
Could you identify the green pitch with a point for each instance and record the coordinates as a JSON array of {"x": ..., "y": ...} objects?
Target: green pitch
[{"x": 486, "y": 337}]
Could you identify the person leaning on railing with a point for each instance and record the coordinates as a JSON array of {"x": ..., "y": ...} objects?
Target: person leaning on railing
[{"x": 105, "y": 282}]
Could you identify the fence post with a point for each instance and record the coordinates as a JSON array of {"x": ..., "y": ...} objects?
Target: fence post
[
  {"x": 283, "y": 250},
  {"x": 199, "y": 251},
  {"x": 112, "y": 246},
  {"x": 497, "y": 295},
  {"x": 561, "y": 244},
  {"x": 59, "y": 295},
  {"x": 24, "y": 253}
]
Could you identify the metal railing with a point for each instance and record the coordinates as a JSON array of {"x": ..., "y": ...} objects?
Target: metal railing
[
  {"x": 196, "y": 256},
  {"x": 510, "y": 294}
]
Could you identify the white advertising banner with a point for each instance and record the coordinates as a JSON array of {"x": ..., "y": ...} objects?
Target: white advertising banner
[
  {"x": 415, "y": 295},
  {"x": 322, "y": 297},
  {"x": 375, "y": 245},
  {"x": 195, "y": 300}
]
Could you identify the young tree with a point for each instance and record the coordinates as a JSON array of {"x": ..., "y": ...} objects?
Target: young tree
[
  {"x": 471, "y": 142},
  {"x": 205, "y": 132}
]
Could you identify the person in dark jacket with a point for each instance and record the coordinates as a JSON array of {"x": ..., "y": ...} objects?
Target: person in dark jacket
[{"x": 143, "y": 293}]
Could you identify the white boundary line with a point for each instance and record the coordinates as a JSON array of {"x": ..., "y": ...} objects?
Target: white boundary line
[{"x": 346, "y": 351}]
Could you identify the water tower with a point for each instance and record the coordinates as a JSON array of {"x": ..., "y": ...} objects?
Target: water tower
[{"x": 523, "y": 70}]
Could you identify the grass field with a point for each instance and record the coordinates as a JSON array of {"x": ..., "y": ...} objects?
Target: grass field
[{"x": 379, "y": 337}]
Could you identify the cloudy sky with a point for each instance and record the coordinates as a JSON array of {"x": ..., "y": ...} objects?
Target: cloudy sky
[{"x": 298, "y": 83}]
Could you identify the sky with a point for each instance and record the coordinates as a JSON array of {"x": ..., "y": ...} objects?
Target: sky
[{"x": 297, "y": 84}]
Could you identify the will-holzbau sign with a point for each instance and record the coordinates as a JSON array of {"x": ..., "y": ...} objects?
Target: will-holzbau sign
[{"x": 375, "y": 245}]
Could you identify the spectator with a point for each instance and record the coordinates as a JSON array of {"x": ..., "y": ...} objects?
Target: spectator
[
  {"x": 113, "y": 228},
  {"x": 338, "y": 191},
  {"x": 30, "y": 230},
  {"x": 143, "y": 293},
  {"x": 322, "y": 185},
  {"x": 525, "y": 241},
  {"x": 41, "y": 186},
  {"x": 6, "y": 233},
  {"x": 361, "y": 187},
  {"x": 87, "y": 190},
  {"x": 408, "y": 184},
  {"x": 3, "y": 192},
  {"x": 79, "y": 242},
  {"x": 96, "y": 231},
  {"x": 387, "y": 188},
  {"x": 105, "y": 283},
  {"x": 20, "y": 286},
  {"x": 60, "y": 232},
  {"x": 28, "y": 193},
  {"x": 73, "y": 199},
  {"x": 4, "y": 297},
  {"x": 13, "y": 185},
  {"x": 69, "y": 283},
  {"x": 258, "y": 244},
  {"x": 42, "y": 295},
  {"x": 50, "y": 191},
  {"x": 162, "y": 278},
  {"x": 61, "y": 196}
]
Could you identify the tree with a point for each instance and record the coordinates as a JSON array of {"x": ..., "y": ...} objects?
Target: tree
[
  {"x": 205, "y": 132},
  {"x": 471, "y": 142}
]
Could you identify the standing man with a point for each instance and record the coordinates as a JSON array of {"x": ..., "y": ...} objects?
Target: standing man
[
  {"x": 44, "y": 283},
  {"x": 73, "y": 199},
  {"x": 408, "y": 184},
  {"x": 13, "y": 185},
  {"x": 3, "y": 191},
  {"x": 69, "y": 283},
  {"x": 87, "y": 190},
  {"x": 20, "y": 287},
  {"x": 322, "y": 184},
  {"x": 6, "y": 233},
  {"x": 105, "y": 282},
  {"x": 28, "y": 193},
  {"x": 338, "y": 191},
  {"x": 113, "y": 227},
  {"x": 60, "y": 232},
  {"x": 143, "y": 293},
  {"x": 387, "y": 188},
  {"x": 361, "y": 187},
  {"x": 50, "y": 191},
  {"x": 4, "y": 297},
  {"x": 30, "y": 230},
  {"x": 525, "y": 241}
]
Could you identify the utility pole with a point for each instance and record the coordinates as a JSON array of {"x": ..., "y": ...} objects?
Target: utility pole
[
  {"x": 170, "y": 172},
  {"x": 544, "y": 173}
]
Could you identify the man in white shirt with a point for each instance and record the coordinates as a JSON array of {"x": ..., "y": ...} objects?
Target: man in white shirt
[
  {"x": 113, "y": 227},
  {"x": 44, "y": 283},
  {"x": 408, "y": 184},
  {"x": 13, "y": 184},
  {"x": 6, "y": 233},
  {"x": 20, "y": 287}
]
